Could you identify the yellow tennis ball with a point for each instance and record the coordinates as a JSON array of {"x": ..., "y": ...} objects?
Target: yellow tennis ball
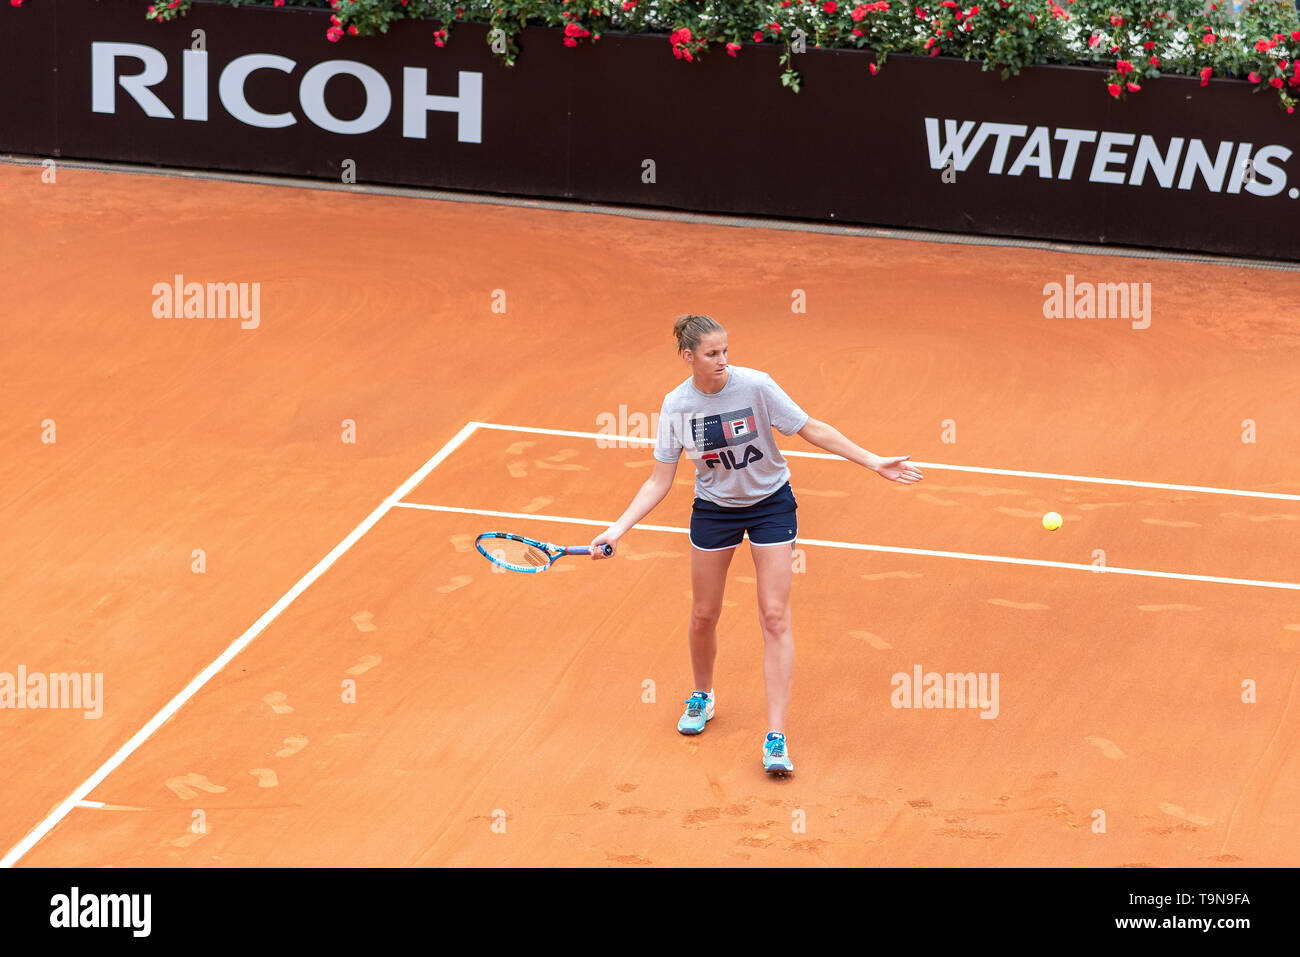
[{"x": 1052, "y": 521}]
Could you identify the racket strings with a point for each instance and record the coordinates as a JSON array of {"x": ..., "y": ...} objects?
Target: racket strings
[{"x": 514, "y": 552}]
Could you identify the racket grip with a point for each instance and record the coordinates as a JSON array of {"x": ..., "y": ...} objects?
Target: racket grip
[{"x": 586, "y": 550}]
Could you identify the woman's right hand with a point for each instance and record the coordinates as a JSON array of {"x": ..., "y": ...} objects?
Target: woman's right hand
[{"x": 598, "y": 544}]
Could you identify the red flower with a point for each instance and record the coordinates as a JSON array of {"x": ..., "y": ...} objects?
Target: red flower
[
  {"x": 1296, "y": 35},
  {"x": 1208, "y": 38},
  {"x": 872, "y": 68},
  {"x": 629, "y": 4},
  {"x": 1116, "y": 20},
  {"x": 1094, "y": 39},
  {"x": 1149, "y": 45},
  {"x": 1115, "y": 48},
  {"x": 758, "y": 37},
  {"x": 1133, "y": 87},
  {"x": 1124, "y": 67},
  {"x": 775, "y": 27},
  {"x": 1263, "y": 46},
  {"x": 1154, "y": 61},
  {"x": 830, "y": 6},
  {"x": 570, "y": 42},
  {"x": 1276, "y": 83},
  {"x": 19, "y": 3},
  {"x": 1113, "y": 88},
  {"x": 1206, "y": 71},
  {"x": 732, "y": 48},
  {"x": 1290, "y": 109},
  {"x": 1252, "y": 77},
  {"x": 934, "y": 52},
  {"x": 858, "y": 12}
]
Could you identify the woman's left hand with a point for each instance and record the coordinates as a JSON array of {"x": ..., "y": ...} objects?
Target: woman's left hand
[{"x": 898, "y": 469}]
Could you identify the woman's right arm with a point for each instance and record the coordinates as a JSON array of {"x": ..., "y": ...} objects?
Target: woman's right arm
[{"x": 654, "y": 491}]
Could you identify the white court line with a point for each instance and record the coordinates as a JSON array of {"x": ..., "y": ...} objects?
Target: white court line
[
  {"x": 78, "y": 796},
  {"x": 1090, "y": 479},
  {"x": 895, "y": 549}
]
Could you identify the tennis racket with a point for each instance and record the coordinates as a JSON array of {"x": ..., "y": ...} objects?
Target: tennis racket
[{"x": 521, "y": 554}]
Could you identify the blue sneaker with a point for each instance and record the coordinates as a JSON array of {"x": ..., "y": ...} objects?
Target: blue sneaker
[
  {"x": 699, "y": 712},
  {"x": 775, "y": 760}
]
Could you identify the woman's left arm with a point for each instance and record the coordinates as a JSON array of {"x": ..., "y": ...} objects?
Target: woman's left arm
[{"x": 895, "y": 468}]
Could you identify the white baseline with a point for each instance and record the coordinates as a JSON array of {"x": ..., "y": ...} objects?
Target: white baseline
[{"x": 1090, "y": 479}]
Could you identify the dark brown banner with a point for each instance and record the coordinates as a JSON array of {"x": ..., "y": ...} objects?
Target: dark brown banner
[{"x": 927, "y": 143}]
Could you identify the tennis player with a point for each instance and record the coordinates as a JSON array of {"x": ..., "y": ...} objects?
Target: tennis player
[{"x": 722, "y": 416}]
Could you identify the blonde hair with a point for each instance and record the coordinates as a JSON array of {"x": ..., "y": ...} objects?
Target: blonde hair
[{"x": 689, "y": 330}]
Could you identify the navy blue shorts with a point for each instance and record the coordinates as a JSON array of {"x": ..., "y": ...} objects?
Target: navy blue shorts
[{"x": 769, "y": 522}]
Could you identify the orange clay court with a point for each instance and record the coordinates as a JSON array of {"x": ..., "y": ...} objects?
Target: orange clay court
[{"x": 501, "y": 719}]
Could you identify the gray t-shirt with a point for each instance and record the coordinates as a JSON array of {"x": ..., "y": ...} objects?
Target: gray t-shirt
[{"x": 728, "y": 436}]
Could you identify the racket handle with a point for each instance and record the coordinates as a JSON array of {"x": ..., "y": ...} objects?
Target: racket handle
[{"x": 586, "y": 550}]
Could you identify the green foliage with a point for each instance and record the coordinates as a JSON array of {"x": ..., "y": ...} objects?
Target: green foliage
[{"x": 1138, "y": 40}]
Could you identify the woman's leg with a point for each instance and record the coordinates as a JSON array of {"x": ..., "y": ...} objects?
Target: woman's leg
[
  {"x": 708, "y": 578},
  {"x": 775, "y": 571}
]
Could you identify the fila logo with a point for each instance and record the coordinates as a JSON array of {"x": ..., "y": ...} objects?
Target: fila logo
[
  {"x": 738, "y": 427},
  {"x": 728, "y": 458}
]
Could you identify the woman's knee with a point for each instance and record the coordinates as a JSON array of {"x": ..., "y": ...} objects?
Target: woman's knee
[
  {"x": 705, "y": 616},
  {"x": 775, "y": 619}
]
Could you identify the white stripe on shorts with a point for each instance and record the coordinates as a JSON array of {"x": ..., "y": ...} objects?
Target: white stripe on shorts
[{"x": 722, "y": 549}]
